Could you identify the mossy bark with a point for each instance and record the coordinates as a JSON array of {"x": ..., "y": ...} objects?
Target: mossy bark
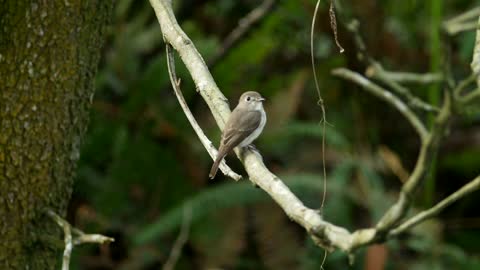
[{"x": 49, "y": 51}]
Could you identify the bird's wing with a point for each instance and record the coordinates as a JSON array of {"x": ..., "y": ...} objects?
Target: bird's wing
[{"x": 243, "y": 124}]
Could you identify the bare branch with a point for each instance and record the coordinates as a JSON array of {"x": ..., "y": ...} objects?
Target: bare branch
[
  {"x": 376, "y": 71},
  {"x": 468, "y": 15},
  {"x": 244, "y": 26},
  {"x": 462, "y": 192},
  {"x": 470, "y": 97},
  {"x": 391, "y": 79},
  {"x": 429, "y": 146},
  {"x": 324, "y": 234},
  {"x": 408, "y": 77},
  {"x": 462, "y": 22},
  {"x": 203, "y": 138},
  {"x": 386, "y": 96},
  {"x": 70, "y": 241},
  {"x": 462, "y": 85},
  {"x": 476, "y": 56}
]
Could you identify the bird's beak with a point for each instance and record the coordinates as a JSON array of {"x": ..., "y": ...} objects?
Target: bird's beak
[{"x": 261, "y": 99}]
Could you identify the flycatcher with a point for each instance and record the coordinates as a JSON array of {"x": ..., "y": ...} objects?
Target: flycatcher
[{"x": 243, "y": 126}]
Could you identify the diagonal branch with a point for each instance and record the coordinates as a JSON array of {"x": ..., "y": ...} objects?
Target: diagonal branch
[
  {"x": 203, "y": 138},
  {"x": 463, "y": 22},
  {"x": 378, "y": 72},
  {"x": 324, "y": 233},
  {"x": 396, "y": 212},
  {"x": 386, "y": 96},
  {"x": 470, "y": 187},
  {"x": 71, "y": 241}
]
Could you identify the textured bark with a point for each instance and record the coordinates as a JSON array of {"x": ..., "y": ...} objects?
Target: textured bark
[{"x": 49, "y": 51}]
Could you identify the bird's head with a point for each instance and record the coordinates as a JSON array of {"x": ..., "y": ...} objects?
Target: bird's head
[{"x": 252, "y": 100}]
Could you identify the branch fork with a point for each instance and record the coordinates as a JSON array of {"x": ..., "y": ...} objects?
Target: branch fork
[
  {"x": 74, "y": 237},
  {"x": 324, "y": 233}
]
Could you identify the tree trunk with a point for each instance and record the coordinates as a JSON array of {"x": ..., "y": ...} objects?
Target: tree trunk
[{"x": 49, "y": 51}]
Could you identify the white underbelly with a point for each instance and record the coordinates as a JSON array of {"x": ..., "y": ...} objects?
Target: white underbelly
[{"x": 256, "y": 132}]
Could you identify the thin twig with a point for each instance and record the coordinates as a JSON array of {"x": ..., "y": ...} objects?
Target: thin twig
[
  {"x": 180, "y": 241},
  {"x": 470, "y": 97},
  {"x": 325, "y": 234},
  {"x": 468, "y": 15},
  {"x": 376, "y": 71},
  {"x": 71, "y": 241},
  {"x": 409, "y": 77},
  {"x": 386, "y": 96},
  {"x": 333, "y": 25},
  {"x": 461, "y": 22},
  {"x": 457, "y": 91},
  {"x": 245, "y": 25},
  {"x": 476, "y": 56},
  {"x": 462, "y": 27},
  {"x": 201, "y": 135},
  {"x": 462, "y": 192}
]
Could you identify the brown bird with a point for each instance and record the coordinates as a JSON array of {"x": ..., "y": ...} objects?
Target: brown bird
[{"x": 243, "y": 126}]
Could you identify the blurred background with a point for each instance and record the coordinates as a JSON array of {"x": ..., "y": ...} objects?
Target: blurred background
[{"x": 143, "y": 175}]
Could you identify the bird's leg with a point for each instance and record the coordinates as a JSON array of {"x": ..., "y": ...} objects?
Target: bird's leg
[{"x": 252, "y": 147}]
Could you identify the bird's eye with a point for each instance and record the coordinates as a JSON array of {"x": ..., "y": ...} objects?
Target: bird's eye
[{"x": 248, "y": 98}]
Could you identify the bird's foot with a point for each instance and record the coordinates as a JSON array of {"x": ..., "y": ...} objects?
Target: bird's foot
[{"x": 252, "y": 147}]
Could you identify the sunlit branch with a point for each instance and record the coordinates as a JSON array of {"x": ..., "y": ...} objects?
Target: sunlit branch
[
  {"x": 464, "y": 22},
  {"x": 74, "y": 237},
  {"x": 324, "y": 233},
  {"x": 212, "y": 151}
]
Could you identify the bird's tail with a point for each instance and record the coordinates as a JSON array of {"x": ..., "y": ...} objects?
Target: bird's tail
[
  {"x": 222, "y": 152},
  {"x": 215, "y": 165}
]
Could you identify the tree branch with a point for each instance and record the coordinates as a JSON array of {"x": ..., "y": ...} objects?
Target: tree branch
[
  {"x": 391, "y": 79},
  {"x": 376, "y": 71},
  {"x": 386, "y": 96},
  {"x": 71, "y": 241},
  {"x": 476, "y": 56},
  {"x": 470, "y": 187},
  {"x": 463, "y": 22},
  {"x": 408, "y": 77},
  {"x": 324, "y": 234},
  {"x": 393, "y": 216},
  {"x": 203, "y": 138}
]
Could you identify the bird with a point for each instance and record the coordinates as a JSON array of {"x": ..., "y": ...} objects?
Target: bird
[{"x": 245, "y": 124}]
